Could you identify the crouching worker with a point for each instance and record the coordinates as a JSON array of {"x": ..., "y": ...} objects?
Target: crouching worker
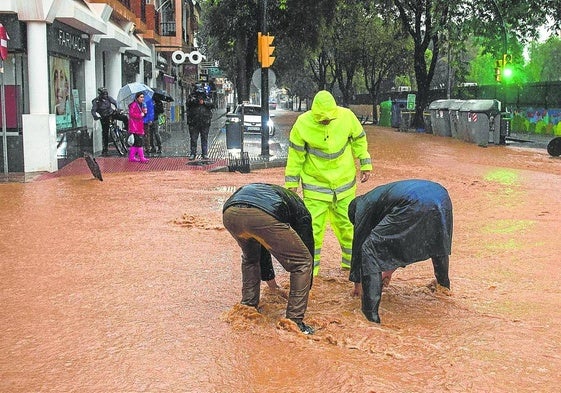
[
  {"x": 269, "y": 219},
  {"x": 395, "y": 225}
]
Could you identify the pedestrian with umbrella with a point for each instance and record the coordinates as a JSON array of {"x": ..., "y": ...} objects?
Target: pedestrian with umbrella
[
  {"x": 148, "y": 121},
  {"x": 137, "y": 112},
  {"x": 155, "y": 138},
  {"x": 127, "y": 93}
]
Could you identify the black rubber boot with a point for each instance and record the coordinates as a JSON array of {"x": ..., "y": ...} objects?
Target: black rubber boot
[
  {"x": 441, "y": 265},
  {"x": 371, "y": 295},
  {"x": 306, "y": 329}
]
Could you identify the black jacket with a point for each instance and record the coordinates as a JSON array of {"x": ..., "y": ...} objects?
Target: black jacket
[
  {"x": 103, "y": 106},
  {"x": 282, "y": 204},
  {"x": 399, "y": 223},
  {"x": 199, "y": 110}
]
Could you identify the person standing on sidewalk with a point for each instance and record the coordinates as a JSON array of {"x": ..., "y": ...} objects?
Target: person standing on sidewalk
[
  {"x": 155, "y": 138},
  {"x": 137, "y": 112},
  {"x": 323, "y": 145},
  {"x": 102, "y": 110},
  {"x": 148, "y": 121},
  {"x": 268, "y": 219},
  {"x": 199, "y": 117}
]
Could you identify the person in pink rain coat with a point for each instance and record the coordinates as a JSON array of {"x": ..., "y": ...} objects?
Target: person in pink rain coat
[{"x": 137, "y": 111}]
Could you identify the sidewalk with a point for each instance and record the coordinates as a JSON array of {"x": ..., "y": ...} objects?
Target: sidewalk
[
  {"x": 176, "y": 149},
  {"x": 529, "y": 140}
]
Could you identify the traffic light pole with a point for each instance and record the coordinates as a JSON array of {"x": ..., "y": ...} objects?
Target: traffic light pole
[{"x": 264, "y": 93}]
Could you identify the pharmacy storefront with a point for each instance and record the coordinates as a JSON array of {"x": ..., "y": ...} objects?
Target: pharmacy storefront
[{"x": 68, "y": 49}]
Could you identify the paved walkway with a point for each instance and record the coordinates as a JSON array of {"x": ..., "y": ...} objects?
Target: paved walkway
[{"x": 175, "y": 150}]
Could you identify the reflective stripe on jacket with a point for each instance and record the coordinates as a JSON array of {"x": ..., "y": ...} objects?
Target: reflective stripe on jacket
[{"x": 322, "y": 157}]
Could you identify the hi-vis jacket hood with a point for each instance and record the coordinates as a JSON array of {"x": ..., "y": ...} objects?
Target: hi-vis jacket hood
[
  {"x": 321, "y": 157},
  {"x": 324, "y": 107}
]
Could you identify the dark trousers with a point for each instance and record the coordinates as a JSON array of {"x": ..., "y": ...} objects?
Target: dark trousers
[
  {"x": 252, "y": 227},
  {"x": 194, "y": 132},
  {"x": 105, "y": 133},
  {"x": 105, "y": 121},
  {"x": 155, "y": 138}
]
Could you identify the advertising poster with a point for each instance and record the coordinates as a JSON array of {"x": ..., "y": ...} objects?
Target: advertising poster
[{"x": 60, "y": 93}]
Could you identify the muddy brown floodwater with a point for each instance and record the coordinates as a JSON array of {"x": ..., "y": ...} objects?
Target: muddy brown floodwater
[{"x": 132, "y": 285}]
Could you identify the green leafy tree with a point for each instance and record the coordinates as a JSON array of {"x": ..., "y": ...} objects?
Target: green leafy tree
[
  {"x": 229, "y": 34},
  {"x": 545, "y": 61},
  {"x": 385, "y": 55},
  {"x": 431, "y": 23}
]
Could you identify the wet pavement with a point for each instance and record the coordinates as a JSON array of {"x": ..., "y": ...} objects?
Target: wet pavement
[
  {"x": 133, "y": 285},
  {"x": 175, "y": 151}
]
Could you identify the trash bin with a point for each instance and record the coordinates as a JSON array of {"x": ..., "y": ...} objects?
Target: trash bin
[
  {"x": 385, "y": 114},
  {"x": 234, "y": 134},
  {"x": 480, "y": 122},
  {"x": 440, "y": 117},
  {"x": 406, "y": 120},
  {"x": 397, "y": 107},
  {"x": 506, "y": 118},
  {"x": 428, "y": 123},
  {"x": 454, "y": 115}
]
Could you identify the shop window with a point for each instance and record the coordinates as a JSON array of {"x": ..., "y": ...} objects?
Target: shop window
[{"x": 65, "y": 92}]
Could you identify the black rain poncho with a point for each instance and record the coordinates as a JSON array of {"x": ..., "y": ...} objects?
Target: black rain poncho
[{"x": 398, "y": 224}]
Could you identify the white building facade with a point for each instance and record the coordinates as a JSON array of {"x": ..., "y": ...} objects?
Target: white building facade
[{"x": 61, "y": 51}]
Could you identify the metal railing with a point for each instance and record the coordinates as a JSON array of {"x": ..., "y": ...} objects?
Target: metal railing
[{"x": 167, "y": 29}]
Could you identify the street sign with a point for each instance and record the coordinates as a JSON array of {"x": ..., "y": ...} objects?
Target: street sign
[
  {"x": 3, "y": 42},
  {"x": 256, "y": 78},
  {"x": 411, "y": 98}
]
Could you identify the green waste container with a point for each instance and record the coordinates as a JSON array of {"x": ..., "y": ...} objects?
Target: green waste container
[
  {"x": 385, "y": 113},
  {"x": 480, "y": 122}
]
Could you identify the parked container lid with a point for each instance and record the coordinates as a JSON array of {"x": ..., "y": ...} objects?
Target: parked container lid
[
  {"x": 456, "y": 105},
  {"x": 483, "y": 106},
  {"x": 440, "y": 104}
]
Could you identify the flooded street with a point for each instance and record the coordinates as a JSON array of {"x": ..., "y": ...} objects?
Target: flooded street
[{"x": 132, "y": 285}]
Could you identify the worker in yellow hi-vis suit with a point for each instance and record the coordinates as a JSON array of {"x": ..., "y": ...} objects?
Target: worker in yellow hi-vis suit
[{"x": 324, "y": 143}]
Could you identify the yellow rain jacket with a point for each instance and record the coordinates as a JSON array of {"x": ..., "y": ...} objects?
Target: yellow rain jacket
[{"x": 322, "y": 157}]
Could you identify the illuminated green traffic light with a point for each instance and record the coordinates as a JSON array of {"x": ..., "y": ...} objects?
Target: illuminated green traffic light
[{"x": 507, "y": 73}]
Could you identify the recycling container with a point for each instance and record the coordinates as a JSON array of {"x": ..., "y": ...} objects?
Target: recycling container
[
  {"x": 480, "y": 122},
  {"x": 439, "y": 117},
  {"x": 385, "y": 113},
  {"x": 397, "y": 107},
  {"x": 454, "y": 116}
]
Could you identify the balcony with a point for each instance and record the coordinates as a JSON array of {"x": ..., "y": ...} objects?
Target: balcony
[{"x": 168, "y": 29}]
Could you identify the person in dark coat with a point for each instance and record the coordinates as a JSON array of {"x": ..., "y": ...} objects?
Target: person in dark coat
[
  {"x": 155, "y": 137},
  {"x": 199, "y": 117},
  {"x": 395, "y": 225},
  {"x": 104, "y": 107},
  {"x": 268, "y": 219}
]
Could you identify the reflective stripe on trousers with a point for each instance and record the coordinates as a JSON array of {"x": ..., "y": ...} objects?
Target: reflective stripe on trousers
[{"x": 336, "y": 212}]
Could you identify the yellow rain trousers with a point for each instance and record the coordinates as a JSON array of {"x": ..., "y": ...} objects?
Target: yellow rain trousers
[{"x": 321, "y": 158}]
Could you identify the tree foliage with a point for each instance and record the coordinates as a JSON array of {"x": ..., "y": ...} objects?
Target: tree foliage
[
  {"x": 545, "y": 61},
  {"x": 229, "y": 33},
  {"x": 431, "y": 23},
  {"x": 335, "y": 43}
]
